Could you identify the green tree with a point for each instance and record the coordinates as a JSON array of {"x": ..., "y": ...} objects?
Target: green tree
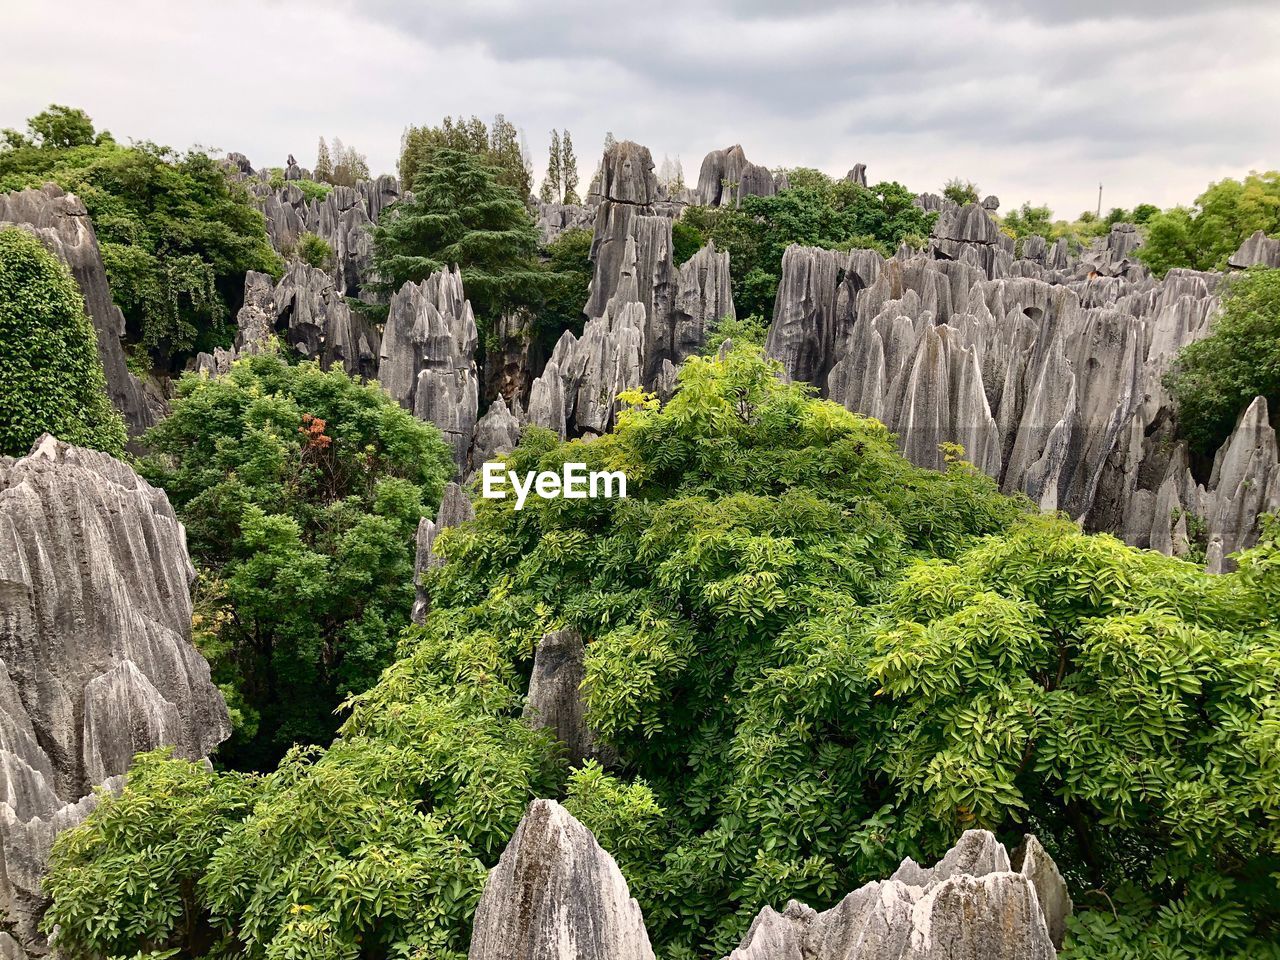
[
  {"x": 498, "y": 148},
  {"x": 686, "y": 240},
  {"x": 324, "y": 163},
  {"x": 815, "y": 211},
  {"x": 177, "y": 237},
  {"x": 301, "y": 490},
  {"x": 51, "y": 378},
  {"x": 315, "y": 250},
  {"x": 551, "y": 188},
  {"x": 1214, "y": 379},
  {"x": 116, "y": 898},
  {"x": 1224, "y": 216},
  {"x": 1029, "y": 220},
  {"x": 460, "y": 215},
  {"x": 960, "y": 191},
  {"x": 57, "y": 128},
  {"x": 564, "y": 293},
  {"x": 569, "y": 169}
]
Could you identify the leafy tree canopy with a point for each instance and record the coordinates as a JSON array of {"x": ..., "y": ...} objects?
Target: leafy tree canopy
[
  {"x": 176, "y": 235},
  {"x": 497, "y": 146},
  {"x": 461, "y": 215},
  {"x": 1214, "y": 380},
  {"x": 815, "y": 211},
  {"x": 1203, "y": 237},
  {"x": 960, "y": 191},
  {"x": 301, "y": 490},
  {"x": 51, "y": 378}
]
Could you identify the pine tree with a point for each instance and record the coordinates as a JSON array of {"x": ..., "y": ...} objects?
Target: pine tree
[
  {"x": 324, "y": 163},
  {"x": 569, "y": 169},
  {"x": 551, "y": 188},
  {"x": 460, "y": 215},
  {"x": 505, "y": 153}
]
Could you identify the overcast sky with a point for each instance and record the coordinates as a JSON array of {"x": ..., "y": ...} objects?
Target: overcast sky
[{"x": 1154, "y": 98}]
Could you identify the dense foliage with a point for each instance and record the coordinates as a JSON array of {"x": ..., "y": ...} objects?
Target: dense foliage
[
  {"x": 51, "y": 378},
  {"x": 813, "y": 659},
  {"x": 176, "y": 235},
  {"x": 1214, "y": 380},
  {"x": 815, "y": 211},
  {"x": 497, "y": 146},
  {"x": 301, "y": 490},
  {"x": 567, "y": 262},
  {"x": 1203, "y": 237},
  {"x": 461, "y": 215}
]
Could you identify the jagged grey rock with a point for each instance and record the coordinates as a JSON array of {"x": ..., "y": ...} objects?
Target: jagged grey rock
[
  {"x": 455, "y": 510},
  {"x": 96, "y": 659},
  {"x": 971, "y": 906},
  {"x": 256, "y": 320},
  {"x": 858, "y": 174},
  {"x": 1034, "y": 862},
  {"x": 556, "y": 895},
  {"x": 1259, "y": 249},
  {"x": 62, "y": 223},
  {"x": 427, "y": 357},
  {"x": 1049, "y": 373},
  {"x": 555, "y": 697},
  {"x": 497, "y": 433},
  {"x": 726, "y": 176}
]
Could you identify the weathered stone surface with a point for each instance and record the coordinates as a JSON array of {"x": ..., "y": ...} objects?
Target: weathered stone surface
[
  {"x": 1033, "y": 862},
  {"x": 555, "y": 895},
  {"x": 726, "y": 176},
  {"x": 1050, "y": 375},
  {"x": 971, "y": 906},
  {"x": 427, "y": 358},
  {"x": 455, "y": 509},
  {"x": 96, "y": 659},
  {"x": 858, "y": 174},
  {"x": 342, "y": 218},
  {"x": 497, "y": 434},
  {"x": 256, "y": 320},
  {"x": 61, "y": 222},
  {"x": 555, "y": 698},
  {"x": 1258, "y": 249},
  {"x": 319, "y": 325},
  {"x": 555, "y": 218}
]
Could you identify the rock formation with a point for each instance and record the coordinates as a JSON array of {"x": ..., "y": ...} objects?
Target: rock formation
[
  {"x": 555, "y": 895},
  {"x": 555, "y": 698},
  {"x": 1258, "y": 249},
  {"x": 96, "y": 659},
  {"x": 455, "y": 509},
  {"x": 645, "y": 315},
  {"x": 497, "y": 434},
  {"x": 61, "y": 222},
  {"x": 858, "y": 174},
  {"x": 342, "y": 218},
  {"x": 427, "y": 358},
  {"x": 1047, "y": 369},
  {"x": 726, "y": 176}
]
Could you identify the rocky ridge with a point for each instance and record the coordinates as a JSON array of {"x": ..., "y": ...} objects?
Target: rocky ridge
[
  {"x": 96, "y": 658},
  {"x": 557, "y": 895}
]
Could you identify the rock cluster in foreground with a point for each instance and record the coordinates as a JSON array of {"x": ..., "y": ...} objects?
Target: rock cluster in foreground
[
  {"x": 556, "y": 895},
  {"x": 96, "y": 658}
]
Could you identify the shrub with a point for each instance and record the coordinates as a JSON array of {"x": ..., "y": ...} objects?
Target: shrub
[{"x": 51, "y": 378}]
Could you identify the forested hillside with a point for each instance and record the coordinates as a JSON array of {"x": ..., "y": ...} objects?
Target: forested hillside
[{"x": 937, "y": 520}]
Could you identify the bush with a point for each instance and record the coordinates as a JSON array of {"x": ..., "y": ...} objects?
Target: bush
[
  {"x": 1214, "y": 380},
  {"x": 51, "y": 378},
  {"x": 315, "y": 250},
  {"x": 815, "y": 211},
  {"x": 301, "y": 491},
  {"x": 176, "y": 235},
  {"x": 1224, "y": 216}
]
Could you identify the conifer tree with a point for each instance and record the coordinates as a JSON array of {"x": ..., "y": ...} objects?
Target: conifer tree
[
  {"x": 569, "y": 169},
  {"x": 324, "y": 163},
  {"x": 551, "y": 191}
]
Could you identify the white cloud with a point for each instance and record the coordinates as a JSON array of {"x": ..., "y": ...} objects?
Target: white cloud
[{"x": 1152, "y": 98}]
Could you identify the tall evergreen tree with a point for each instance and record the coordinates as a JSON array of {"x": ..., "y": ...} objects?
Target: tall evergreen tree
[
  {"x": 569, "y": 169},
  {"x": 324, "y": 163},
  {"x": 460, "y": 215},
  {"x": 551, "y": 188},
  {"x": 507, "y": 154}
]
